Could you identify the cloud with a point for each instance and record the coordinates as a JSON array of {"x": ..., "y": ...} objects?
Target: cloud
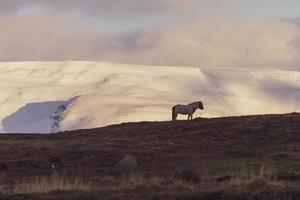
[
  {"x": 295, "y": 21},
  {"x": 204, "y": 43},
  {"x": 218, "y": 43},
  {"x": 97, "y": 7},
  {"x": 32, "y": 37},
  {"x": 94, "y": 6}
]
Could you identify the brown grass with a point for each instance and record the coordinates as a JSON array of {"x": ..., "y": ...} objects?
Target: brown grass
[
  {"x": 42, "y": 185},
  {"x": 141, "y": 181},
  {"x": 246, "y": 175},
  {"x": 254, "y": 181},
  {"x": 132, "y": 182}
]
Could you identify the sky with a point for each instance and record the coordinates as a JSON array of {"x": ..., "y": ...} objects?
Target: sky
[{"x": 198, "y": 33}]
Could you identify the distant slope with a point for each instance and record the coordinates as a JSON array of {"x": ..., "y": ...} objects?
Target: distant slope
[{"x": 98, "y": 94}]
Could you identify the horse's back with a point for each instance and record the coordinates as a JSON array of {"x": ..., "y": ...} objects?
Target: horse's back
[
  {"x": 177, "y": 105},
  {"x": 182, "y": 109}
]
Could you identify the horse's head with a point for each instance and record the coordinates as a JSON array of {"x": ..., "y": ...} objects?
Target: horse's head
[{"x": 200, "y": 105}]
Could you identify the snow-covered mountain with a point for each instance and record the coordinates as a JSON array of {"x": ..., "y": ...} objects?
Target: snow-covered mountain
[{"x": 44, "y": 97}]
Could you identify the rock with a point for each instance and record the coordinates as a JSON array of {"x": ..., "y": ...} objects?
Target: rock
[
  {"x": 187, "y": 175},
  {"x": 57, "y": 117},
  {"x": 55, "y": 160},
  {"x": 127, "y": 163}
]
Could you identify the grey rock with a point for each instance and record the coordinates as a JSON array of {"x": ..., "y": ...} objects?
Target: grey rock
[{"x": 128, "y": 163}]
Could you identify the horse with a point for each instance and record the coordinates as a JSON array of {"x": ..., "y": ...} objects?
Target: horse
[{"x": 186, "y": 109}]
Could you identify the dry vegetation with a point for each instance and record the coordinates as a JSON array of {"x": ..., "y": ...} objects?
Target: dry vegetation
[
  {"x": 246, "y": 181},
  {"x": 245, "y": 175},
  {"x": 55, "y": 182},
  {"x": 45, "y": 185},
  {"x": 255, "y": 157}
]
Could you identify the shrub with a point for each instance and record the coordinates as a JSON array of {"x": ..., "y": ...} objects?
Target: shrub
[
  {"x": 186, "y": 175},
  {"x": 258, "y": 184}
]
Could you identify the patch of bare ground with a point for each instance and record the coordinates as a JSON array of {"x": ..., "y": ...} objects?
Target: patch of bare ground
[{"x": 249, "y": 157}]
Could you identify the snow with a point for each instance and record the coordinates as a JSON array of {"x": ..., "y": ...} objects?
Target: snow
[
  {"x": 97, "y": 94},
  {"x": 34, "y": 117}
]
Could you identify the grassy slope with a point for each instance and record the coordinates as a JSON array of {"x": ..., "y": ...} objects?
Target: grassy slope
[{"x": 212, "y": 147}]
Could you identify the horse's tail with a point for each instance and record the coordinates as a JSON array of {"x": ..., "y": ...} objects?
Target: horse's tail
[{"x": 173, "y": 113}]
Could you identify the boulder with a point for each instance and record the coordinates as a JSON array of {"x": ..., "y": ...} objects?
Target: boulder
[{"x": 127, "y": 163}]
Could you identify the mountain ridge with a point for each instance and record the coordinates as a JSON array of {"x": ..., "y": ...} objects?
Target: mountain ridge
[{"x": 108, "y": 93}]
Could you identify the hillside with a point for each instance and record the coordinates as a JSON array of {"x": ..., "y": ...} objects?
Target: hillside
[
  {"x": 211, "y": 147},
  {"x": 44, "y": 97}
]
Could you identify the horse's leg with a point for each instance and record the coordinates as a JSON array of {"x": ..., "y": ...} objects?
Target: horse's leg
[{"x": 189, "y": 117}]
